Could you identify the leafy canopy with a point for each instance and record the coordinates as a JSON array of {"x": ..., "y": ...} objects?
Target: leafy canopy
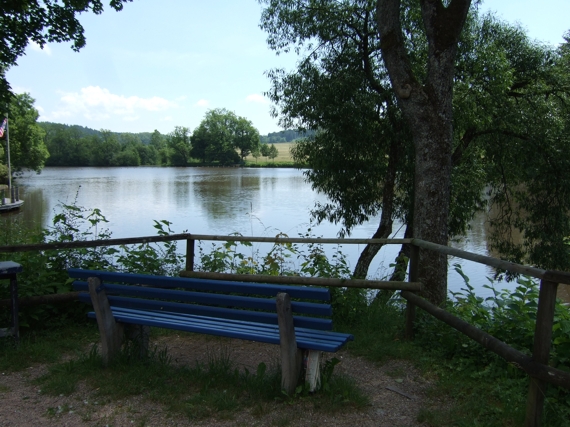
[
  {"x": 27, "y": 148},
  {"x": 510, "y": 123},
  {"x": 220, "y": 134}
]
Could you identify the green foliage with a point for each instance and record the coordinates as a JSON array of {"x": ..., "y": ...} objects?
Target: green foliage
[
  {"x": 220, "y": 134},
  {"x": 179, "y": 146},
  {"x": 80, "y": 146},
  {"x": 44, "y": 272},
  {"x": 284, "y": 136},
  {"x": 273, "y": 152},
  {"x": 287, "y": 259},
  {"x": 147, "y": 258},
  {"x": 510, "y": 122},
  {"x": 280, "y": 260},
  {"x": 27, "y": 148},
  {"x": 509, "y": 316}
]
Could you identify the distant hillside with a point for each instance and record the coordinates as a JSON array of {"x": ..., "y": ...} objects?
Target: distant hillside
[
  {"x": 144, "y": 137},
  {"x": 284, "y": 136},
  {"x": 82, "y": 131}
]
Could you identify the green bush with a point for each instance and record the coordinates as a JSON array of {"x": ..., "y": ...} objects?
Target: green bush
[
  {"x": 44, "y": 272},
  {"x": 509, "y": 316}
]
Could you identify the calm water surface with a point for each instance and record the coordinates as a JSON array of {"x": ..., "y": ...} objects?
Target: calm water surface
[{"x": 254, "y": 202}]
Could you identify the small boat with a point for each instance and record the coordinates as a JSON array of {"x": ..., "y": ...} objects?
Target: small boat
[{"x": 9, "y": 205}]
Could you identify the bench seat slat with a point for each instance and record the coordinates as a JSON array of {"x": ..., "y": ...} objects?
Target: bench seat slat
[
  {"x": 210, "y": 298},
  {"x": 230, "y": 323},
  {"x": 306, "y": 338},
  {"x": 302, "y": 292}
]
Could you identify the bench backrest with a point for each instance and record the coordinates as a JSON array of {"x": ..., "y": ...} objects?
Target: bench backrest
[{"x": 253, "y": 302}]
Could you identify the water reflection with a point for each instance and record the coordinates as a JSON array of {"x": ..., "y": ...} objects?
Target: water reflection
[{"x": 227, "y": 196}]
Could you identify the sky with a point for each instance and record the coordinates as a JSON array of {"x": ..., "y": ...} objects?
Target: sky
[{"x": 160, "y": 64}]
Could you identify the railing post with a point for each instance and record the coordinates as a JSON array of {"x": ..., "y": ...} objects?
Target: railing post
[
  {"x": 412, "y": 277},
  {"x": 541, "y": 350},
  {"x": 190, "y": 244}
]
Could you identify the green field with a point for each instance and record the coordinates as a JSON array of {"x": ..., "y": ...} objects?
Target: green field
[{"x": 284, "y": 156}]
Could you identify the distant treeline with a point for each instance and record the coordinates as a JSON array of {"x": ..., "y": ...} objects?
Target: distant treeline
[
  {"x": 284, "y": 136},
  {"x": 81, "y": 146},
  {"x": 73, "y": 145}
]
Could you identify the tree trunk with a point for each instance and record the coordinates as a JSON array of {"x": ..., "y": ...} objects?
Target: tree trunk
[
  {"x": 428, "y": 109},
  {"x": 386, "y": 217}
]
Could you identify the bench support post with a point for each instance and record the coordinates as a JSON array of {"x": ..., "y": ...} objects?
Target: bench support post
[
  {"x": 111, "y": 332},
  {"x": 139, "y": 335},
  {"x": 313, "y": 369},
  {"x": 291, "y": 356}
]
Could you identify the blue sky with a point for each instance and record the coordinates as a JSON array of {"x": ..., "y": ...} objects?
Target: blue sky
[{"x": 161, "y": 64}]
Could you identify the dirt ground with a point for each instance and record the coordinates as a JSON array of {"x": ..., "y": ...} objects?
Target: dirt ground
[{"x": 396, "y": 391}]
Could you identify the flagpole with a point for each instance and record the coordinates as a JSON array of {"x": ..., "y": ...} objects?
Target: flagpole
[{"x": 8, "y": 152}]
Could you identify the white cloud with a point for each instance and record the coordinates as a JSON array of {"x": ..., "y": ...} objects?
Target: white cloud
[
  {"x": 97, "y": 103},
  {"x": 257, "y": 98},
  {"x": 21, "y": 89},
  {"x": 202, "y": 103},
  {"x": 37, "y": 48}
]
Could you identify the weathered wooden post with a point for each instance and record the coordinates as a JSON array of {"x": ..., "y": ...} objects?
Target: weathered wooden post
[
  {"x": 412, "y": 277},
  {"x": 291, "y": 356},
  {"x": 190, "y": 247},
  {"x": 112, "y": 333},
  {"x": 541, "y": 350}
]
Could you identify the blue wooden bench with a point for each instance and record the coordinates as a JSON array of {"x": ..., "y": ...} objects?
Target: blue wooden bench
[{"x": 250, "y": 311}]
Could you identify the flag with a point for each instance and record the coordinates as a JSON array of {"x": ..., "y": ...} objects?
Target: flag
[{"x": 3, "y": 127}]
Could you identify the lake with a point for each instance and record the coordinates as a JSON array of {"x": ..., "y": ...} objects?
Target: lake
[{"x": 250, "y": 201}]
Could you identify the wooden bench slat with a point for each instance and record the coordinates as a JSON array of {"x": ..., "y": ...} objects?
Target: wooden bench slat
[{"x": 301, "y": 292}]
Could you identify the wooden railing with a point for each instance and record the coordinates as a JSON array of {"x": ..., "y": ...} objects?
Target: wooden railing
[{"x": 536, "y": 366}]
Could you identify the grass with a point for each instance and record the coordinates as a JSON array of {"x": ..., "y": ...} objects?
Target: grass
[
  {"x": 284, "y": 157},
  {"x": 45, "y": 346},
  {"x": 215, "y": 388},
  {"x": 468, "y": 389},
  {"x": 473, "y": 388}
]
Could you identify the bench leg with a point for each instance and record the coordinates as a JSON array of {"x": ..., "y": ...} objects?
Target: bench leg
[
  {"x": 312, "y": 360},
  {"x": 139, "y": 335},
  {"x": 111, "y": 332},
  {"x": 291, "y": 356}
]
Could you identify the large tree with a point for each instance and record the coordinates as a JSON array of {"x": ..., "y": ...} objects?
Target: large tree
[
  {"x": 41, "y": 21},
  {"x": 220, "y": 134},
  {"x": 426, "y": 102},
  {"x": 179, "y": 146},
  {"x": 364, "y": 153},
  {"x": 27, "y": 148}
]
